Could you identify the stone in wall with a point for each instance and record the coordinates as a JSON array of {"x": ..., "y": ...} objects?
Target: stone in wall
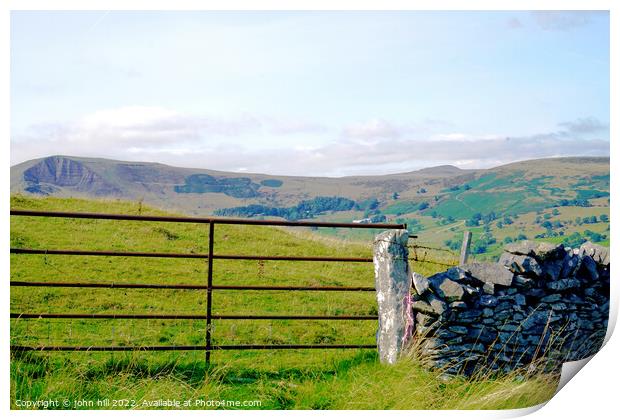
[{"x": 537, "y": 307}]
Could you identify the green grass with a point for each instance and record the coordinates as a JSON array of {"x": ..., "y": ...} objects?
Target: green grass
[
  {"x": 354, "y": 382},
  {"x": 402, "y": 207},
  {"x": 456, "y": 209},
  {"x": 498, "y": 202},
  {"x": 306, "y": 379}
]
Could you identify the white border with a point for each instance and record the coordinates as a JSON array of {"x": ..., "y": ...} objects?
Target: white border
[{"x": 592, "y": 394}]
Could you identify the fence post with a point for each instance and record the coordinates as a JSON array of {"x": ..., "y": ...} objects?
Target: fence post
[
  {"x": 465, "y": 247},
  {"x": 209, "y": 297},
  {"x": 392, "y": 281}
]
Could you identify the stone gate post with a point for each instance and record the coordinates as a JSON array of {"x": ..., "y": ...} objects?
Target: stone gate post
[{"x": 392, "y": 282}]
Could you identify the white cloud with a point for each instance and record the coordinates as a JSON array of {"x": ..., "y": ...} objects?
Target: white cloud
[
  {"x": 145, "y": 129},
  {"x": 563, "y": 20},
  {"x": 373, "y": 129},
  {"x": 128, "y": 117},
  {"x": 286, "y": 126},
  {"x": 373, "y": 147},
  {"x": 463, "y": 137},
  {"x": 386, "y": 156},
  {"x": 556, "y": 20},
  {"x": 585, "y": 126},
  {"x": 514, "y": 23}
]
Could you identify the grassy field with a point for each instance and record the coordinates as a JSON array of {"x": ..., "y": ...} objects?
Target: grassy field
[{"x": 303, "y": 379}]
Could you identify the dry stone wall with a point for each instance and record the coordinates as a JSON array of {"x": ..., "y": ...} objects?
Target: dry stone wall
[{"x": 537, "y": 307}]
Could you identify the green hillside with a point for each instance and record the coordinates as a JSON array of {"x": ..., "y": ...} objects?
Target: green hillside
[
  {"x": 279, "y": 379},
  {"x": 552, "y": 200}
]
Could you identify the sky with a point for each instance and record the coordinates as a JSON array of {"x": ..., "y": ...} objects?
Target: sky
[{"x": 310, "y": 93}]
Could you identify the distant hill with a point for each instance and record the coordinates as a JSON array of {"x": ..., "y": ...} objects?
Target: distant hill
[
  {"x": 202, "y": 191},
  {"x": 544, "y": 198}
]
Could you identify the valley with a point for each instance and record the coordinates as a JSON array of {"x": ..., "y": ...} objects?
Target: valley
[{"x": 555, "y": 200}]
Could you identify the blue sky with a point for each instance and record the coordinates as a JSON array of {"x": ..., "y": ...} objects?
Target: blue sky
[{"x": 310, "y": 93}]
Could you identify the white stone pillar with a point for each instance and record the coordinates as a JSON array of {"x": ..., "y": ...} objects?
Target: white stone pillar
[{"x": 393, "y": 283}]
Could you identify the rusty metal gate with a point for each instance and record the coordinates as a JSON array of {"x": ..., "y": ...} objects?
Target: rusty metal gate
[{"x": 209, "y": 287}]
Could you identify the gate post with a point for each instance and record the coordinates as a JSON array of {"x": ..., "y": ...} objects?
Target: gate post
[
  {"x": 209, "y": 297},
  {"x": 465, "y": 247},
  {"x": 393, "y": 283}
]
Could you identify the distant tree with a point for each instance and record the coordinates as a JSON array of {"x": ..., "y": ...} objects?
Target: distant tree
[
  {"x": 500, "y": 225},
  {"x": 595, "y": 236},
  {"x": 474, "y": 220},
  {"x": 547, "y": 225},
  {"x": 556, "y": 212},
  {"x": 604, "y": 218},
  {"x": 574, "y": 240},
  {"x": 582, "y": 202},
  {"x": 395, "y": 196},
  {"x": 488, "y": 218},
  {"x": 508, "y": 240},
  {"x": 508, "y": 220},
  {"x": 370, "y": 204},
  {"x": 423, "y": 205},
  {"x": 378, "y": 218},
  {"x": 453, "y": 244},
  {"x": 521, "y": 237},
  {"x": 305, "y": 209},
  {"x": 479, "y": 247}
]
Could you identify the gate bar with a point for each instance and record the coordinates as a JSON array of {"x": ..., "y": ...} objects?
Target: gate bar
[
  {"x": 190, "y": 316},
  {"x": 221, "y": 220},
  {"x": 183, "y": 255},
  {"x": 187, "y": 286},
  {"x": 187, "y": 348}
]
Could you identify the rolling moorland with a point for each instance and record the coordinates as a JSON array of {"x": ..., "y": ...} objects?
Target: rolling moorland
[
  {"x": 556, "y": 200},
  {"x": 305, "y": 379}
]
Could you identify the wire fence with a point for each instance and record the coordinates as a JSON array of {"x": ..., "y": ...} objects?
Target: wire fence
[{"x": 420, "y": 253}]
